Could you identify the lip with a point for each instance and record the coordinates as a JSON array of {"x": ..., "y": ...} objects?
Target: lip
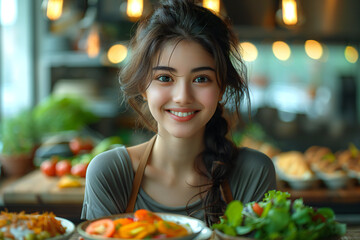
[{"x": 182, "y": 110}]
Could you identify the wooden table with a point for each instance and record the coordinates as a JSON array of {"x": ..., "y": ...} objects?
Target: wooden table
[{"x": 36, "y": 192}]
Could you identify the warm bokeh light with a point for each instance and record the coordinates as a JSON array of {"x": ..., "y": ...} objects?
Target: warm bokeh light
[
  {"x": 134, "y": 8},
  {"x": 54, "y": 9},
  {"x": 249, "y": 51},
  {"x": 117, "y": 53},
  {"x": 289, "y": 12},
  {"x": 351, "y": 54},
  {"x": 93, "y": 43},
  {"x": 281, "y": 50},
  {"x": 213, "y": 5},
  {"x": 313, "y": 49}
]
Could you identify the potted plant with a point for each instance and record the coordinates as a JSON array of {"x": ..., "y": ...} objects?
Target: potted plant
[{"x": 18, "y": 140}]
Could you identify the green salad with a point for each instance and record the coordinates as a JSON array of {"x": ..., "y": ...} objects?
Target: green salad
[{"x": 278, "y": 217}]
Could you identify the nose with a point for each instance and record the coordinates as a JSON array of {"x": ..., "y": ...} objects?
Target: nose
[{"x": 183, "y": 93}]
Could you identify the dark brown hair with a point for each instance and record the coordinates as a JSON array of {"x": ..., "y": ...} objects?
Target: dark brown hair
[{"x": 174, "y": 21}]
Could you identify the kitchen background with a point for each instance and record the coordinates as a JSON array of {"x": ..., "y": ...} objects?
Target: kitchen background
[
  {"x": 303, "y": 75},
  {"x": 298, "y": 99}
]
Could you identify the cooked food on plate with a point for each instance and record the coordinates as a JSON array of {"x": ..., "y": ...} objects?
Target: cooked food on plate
[
  {"x": 30, "y": 226},
  {"x": 293, "y": 164},
  {"x": 143, "y": 224}
]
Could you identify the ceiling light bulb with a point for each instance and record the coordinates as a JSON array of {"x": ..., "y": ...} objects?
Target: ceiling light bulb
[
  {"x": 134, "y": 9},
  {"x": 213, "y": 5},
  {"x": 54, "y": 9},
  {"x": 290, "y": 12}
]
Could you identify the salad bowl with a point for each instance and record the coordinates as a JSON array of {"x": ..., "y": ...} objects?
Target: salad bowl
[{"x": 277, "y": 217}]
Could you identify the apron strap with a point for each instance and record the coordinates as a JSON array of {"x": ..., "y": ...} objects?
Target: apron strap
[
  {"x": 138, "y": 175},
  {"x": 225, "y": 187},
  {"x": 226, "y": 192}
]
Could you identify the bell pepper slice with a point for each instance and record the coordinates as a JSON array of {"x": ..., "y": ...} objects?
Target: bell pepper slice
[
  {"x": 146, "y": 215},
  {"x": 171, "y": 229}
]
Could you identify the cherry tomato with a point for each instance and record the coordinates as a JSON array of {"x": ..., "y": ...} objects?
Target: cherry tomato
[
  {"x": 79, "y": 169},
  {"x": 48, "y": 167},
  {"x": 81, "y": 145},
  {"x": 102, "y": 227},
  {"x": 257, "y": 209},
  {"x": 63, "y": 168},
  {"x": 318, "y": 217}
]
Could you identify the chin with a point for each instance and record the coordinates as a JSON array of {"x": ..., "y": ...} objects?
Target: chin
[{"x": 181, "y": 133}]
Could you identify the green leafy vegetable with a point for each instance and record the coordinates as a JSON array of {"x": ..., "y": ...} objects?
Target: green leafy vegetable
[
  {"x": 57, "y": 114},
  {"x": 281, "y": 219}
]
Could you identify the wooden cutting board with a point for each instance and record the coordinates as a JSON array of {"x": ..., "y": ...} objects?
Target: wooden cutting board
[{"x": 36, "y": 188}]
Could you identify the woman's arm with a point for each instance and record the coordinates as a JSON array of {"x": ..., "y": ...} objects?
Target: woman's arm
[{"x": 108, "y": 184}]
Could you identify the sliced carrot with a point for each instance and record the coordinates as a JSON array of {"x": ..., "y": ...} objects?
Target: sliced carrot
[
  {"x": 122, "y": 221},
  {"x": 146, "y": 215},
  {"x": 136, "y": 230},
  {"x": 171, "y": 229}
]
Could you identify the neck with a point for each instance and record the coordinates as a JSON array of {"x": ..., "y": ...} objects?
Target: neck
[{"x": 176, "y": 154}]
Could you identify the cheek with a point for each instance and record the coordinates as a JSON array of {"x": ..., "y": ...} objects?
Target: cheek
[
  {"x": 156, "y": 96},
  {"x": 210, "y": 97}
]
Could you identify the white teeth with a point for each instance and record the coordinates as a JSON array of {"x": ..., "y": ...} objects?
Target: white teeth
[{"x": 181, "y": 114}]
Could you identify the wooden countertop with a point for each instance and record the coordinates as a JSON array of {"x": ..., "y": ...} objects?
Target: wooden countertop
[{"x": 36, "y": 188}]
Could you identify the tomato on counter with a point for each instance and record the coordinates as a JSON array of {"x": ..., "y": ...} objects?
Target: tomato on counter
[
  {"x": 79, "y": 169},
  {"x": 81, "y": 145},
  {"x": 48, "y": 167},
  {"x": 63, "y": 168}
]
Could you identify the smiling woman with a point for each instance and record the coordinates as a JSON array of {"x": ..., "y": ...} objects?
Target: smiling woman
[
  {"x": 183, "y": 68},
  {"x": 183, "y": 88}
]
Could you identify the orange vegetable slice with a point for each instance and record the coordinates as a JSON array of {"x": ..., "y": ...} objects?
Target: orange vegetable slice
[
  {"x": 146, "y": 215},
  {"x": 137, "y": 230},
  {"x": 171, "y": 229}
]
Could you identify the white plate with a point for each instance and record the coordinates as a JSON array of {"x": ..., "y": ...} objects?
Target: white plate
[
  {"x": 204, "y": 234},
  {"x": 70, "y": 229},
  {"x": 197, "y": 227}
]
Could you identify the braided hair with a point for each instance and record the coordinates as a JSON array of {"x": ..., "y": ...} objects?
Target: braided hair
[{"x": 174, "y": 21}]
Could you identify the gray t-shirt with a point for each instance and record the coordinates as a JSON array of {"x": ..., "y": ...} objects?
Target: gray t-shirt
[{"x": 110, "y": 174}]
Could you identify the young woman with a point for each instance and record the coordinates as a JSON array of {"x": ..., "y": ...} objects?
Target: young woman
[{"x": 184, "y": 67}]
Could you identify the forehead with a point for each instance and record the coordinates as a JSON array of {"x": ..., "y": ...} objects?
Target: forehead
[{"x": 184, "y": 53}]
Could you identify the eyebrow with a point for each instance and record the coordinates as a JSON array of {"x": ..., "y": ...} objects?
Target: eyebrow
[{"x": 170, "y": 69}]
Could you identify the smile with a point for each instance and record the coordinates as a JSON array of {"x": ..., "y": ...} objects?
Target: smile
[{"x": 182, "y": 114}]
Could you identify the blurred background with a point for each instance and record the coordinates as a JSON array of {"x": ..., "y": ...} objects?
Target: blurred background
[{"x": 303, "y": 68}]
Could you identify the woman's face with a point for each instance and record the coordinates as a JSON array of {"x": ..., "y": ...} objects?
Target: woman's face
[{"x": 183, "y": 93}]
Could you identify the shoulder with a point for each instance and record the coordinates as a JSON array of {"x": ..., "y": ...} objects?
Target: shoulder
[
  {"x": 250, "y": 158},
  {"x": 252, "y": 176},
  {"x": 112, "y": 162}
]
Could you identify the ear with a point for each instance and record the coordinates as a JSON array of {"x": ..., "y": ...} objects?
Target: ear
[{"x": 144, "y": 96}]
